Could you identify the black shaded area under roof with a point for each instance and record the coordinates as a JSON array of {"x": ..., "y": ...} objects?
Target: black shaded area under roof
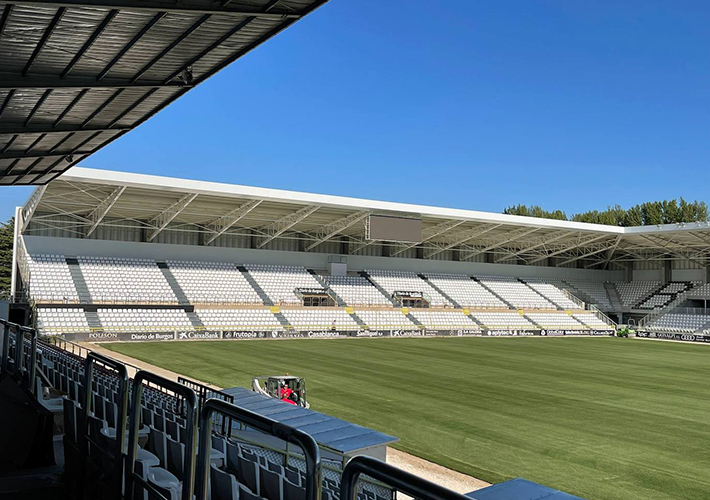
[
  {"x": 78, "y": 74},
  {"x": 330, "y": 432}
]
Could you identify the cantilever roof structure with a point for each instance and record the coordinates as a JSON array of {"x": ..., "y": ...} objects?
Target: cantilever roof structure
[
  {"x": 76, "y": 75},
  {"x": 83, "y": 200}
]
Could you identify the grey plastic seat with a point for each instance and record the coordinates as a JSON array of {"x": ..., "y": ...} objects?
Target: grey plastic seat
[
  {"x": 292, "y": 475},
  {"x": 232, "y": 457},
  {"x": 176, "y": 457},
  {"x": 270, "y": 484},
  {"x": 166, "y": 483},
  {"x": 223, "y": 485},
  {"x": 245, "y": 494},
  {"x": 248, "y": 474},
  {"x": 292, "y": 491}
]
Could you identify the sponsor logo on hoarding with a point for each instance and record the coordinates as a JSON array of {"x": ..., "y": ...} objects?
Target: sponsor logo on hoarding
[
  {"x": 324, "y": 334},
  {"x": 406, "y": 333},
  {"x": 102, "y": 335},
  {"x": 368, "y": 333},
  {"x": 244, "y": 335},
  {"x": 150, "y": 336},
  {"x": 197, "y": 335}
]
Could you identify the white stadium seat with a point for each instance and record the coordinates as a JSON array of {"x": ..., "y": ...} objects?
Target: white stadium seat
[
  {"x": 213, "y": 282},
  {"x": 405, "y": 281},
  {"x": 280, "y": 282},
  {"x": 50, "y": 279},
  {"x": 125, "y": 280},
  {"x": 356, "y": 291}
]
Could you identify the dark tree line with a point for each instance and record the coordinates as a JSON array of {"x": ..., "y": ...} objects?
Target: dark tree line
[
  {"x": 6, "y": 236},
  {"x": 646, "y": 214}
]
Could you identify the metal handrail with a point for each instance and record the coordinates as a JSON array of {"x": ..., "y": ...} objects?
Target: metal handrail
[
  {"x": 20, "y": 352},
  {"x": 314, "y": 467},
  {"x": 91, "y": 359},
  {"x": 407, "y": 483},
  {"x": 6, "y": 325},
  {"x": 190, "y": 399}
]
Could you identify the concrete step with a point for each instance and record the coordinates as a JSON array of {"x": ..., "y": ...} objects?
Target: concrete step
[
  {"x": 552, "y": 304},
  {"x": 340, "y": 302},
  {"x": 441, "y": 292},
  {"x": 494, "y": 293},
  {"x": 174, "y": 285},
  {"x": 82, "y": 288},
  {"x": 92, "y": 318},
  {"x": 379, "y": 288},
  {"x": 257, "y": 288}
]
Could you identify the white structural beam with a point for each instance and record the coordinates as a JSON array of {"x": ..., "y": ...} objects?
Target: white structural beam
[
  {"x": 462, "y": 238},
  {"x": 666, "y": 245},
  {"x": 98, "y": 214},
  {"x": 533, "y": 247},
  {"x": 222, "y": 225},
  {"x": 576, "y": 244},
  {"x": 589, "y": 254},
  {"x": 512, "y": 236},
  {"x": 610, "y": 255},
  {"x": 31, "y": 206},
  {"x": 336, "y": 227},
  {"x": 363, "y": 244},
  {"x": 278, "y": 227},
  {"x": 169, "y": 214},
  {"x": 430, "y": 233}
]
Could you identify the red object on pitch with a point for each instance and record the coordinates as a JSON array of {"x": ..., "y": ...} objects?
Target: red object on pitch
[{"x": 289, "y": 401}]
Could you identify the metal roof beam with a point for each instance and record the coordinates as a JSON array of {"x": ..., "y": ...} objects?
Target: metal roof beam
[
  {"x": 20, "y": 155},
  {"x": 51, "y": 82},
  {"x": 513, "y": 237},
  {"x": 277, "y": 228},
  {"x": 430, "y": 234},
  {"x": 170, "y": 47},
  {"x": 31, "y": 206},
  {"x": 589, "y": 254},
  {"x": 665, "y": 245},
  {"x": 222, "y": 225},
  {"x": 464, "y": 237},
  {"x": 50, "y": 129},
  {"x": 5, "y": 17},
  {"x": 570, "y": 247},
  {"x": 169, "y": 214},
  {"x": 184, "y": 7},
  {"x": 157, "y": 17},
  {"x": 335, "y": 227},
  {"x": 43, "y": 41},
  {"x": 97, "y": 32},
  {"x": 533, "y": 247},
  {"x": 103, "y": 208}
]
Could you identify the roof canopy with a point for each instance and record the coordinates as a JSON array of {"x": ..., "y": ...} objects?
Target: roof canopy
[
  {"x": 329, "y": 432},
  {"x": 78, "y": 74},
  {"x": 92, "y": 198}
]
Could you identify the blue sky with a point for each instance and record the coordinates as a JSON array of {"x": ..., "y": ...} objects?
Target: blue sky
[{"x": 567, "y": 104}]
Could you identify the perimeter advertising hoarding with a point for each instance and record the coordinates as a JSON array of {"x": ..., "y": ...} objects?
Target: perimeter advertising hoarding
[
  {"x": 684, "y": 337},
  {"x": 317, "y": 334}
]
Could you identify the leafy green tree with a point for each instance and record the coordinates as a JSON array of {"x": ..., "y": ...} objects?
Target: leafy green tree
[
  {"x": 535, "y": 211},
  {"x": 633, "y": 217},
  {"x": 6, "y": 239},
  {"x": 646, "y": 214}
]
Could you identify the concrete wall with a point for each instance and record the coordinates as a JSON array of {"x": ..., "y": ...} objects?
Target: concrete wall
[
  {"x": 688, "y": 275},
  {"x": 648, "y": 275},
  {"x": 157, "y": 251}
]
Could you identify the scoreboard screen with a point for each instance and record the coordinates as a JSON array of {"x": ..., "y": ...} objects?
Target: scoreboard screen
[{"x": 387, "y": 228}]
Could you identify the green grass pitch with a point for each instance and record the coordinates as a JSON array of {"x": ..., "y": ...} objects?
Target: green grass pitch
[{"x": 602, "y": 418}]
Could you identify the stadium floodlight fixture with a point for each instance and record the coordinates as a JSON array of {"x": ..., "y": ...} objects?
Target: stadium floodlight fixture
[
  {"x": 187, "y": 76},
  {"x": 69, "y": 158}
]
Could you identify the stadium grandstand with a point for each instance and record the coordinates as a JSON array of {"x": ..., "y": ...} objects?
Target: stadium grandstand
[
  {"x": 117, "y": 256},
  {"x": 106, "y": 256}
]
